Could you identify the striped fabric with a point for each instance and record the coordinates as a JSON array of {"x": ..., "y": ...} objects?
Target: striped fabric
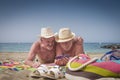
[{"x": 102, "y": 68}]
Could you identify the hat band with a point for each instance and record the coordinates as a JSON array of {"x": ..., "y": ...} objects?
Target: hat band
[{"x": 66, "y": 38}]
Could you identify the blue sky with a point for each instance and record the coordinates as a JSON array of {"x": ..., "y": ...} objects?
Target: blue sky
[{"x": 94, "y": 20}]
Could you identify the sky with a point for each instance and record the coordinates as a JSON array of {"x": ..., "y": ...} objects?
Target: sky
[{"x": 93, "y": 20}]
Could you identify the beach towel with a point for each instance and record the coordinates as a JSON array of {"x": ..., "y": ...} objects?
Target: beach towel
[
  {"x": 15, "y": 66},
  {"x": 94, "y": 70}
]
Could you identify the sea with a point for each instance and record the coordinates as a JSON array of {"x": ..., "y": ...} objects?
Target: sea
[{"x": 25, "y": 47}]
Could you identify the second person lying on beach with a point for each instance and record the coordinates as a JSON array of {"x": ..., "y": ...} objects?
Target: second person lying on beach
[{"x": 68, "y": 45}]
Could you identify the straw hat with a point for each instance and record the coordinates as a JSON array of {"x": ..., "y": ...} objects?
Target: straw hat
[
  {"x": 64, "y": 35},
  {"x": 46, "y": 33}
]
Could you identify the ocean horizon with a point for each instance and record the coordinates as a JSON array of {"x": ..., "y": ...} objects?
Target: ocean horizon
[{"x": 25, "y": 47}]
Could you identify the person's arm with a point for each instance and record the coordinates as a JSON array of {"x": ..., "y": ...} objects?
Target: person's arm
[
  {"x": 79, "y": 48},
  {"x": 60, "y": 59},
  {"x": 31, "y": 56}
]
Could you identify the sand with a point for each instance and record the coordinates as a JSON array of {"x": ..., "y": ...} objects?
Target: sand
[
  {"x": 15, "y": 56},
  {"x": 22, "y": 56},
  {"x": 24, "y": 74}
]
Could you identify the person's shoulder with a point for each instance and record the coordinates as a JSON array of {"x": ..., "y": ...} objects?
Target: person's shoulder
[
  {"x": 78, "y": 40},
  {"x": 37, "y": 43}
]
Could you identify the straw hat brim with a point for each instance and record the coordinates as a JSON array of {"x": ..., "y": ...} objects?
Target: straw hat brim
[
  {"x": 57, "y": 39},
  {"x": 46, "y": 36}
]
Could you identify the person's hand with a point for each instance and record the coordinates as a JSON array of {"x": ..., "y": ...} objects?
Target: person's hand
[
  {"x": 36, "y": 64},
  {"x": 62, "y": 62}
]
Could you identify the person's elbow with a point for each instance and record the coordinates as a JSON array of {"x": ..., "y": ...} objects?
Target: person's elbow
[{"x": 27, "y": 62}]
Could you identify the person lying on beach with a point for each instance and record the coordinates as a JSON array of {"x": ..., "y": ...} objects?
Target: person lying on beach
[
  {"x": 111, "y": 55},
  {"x": 114, "y": 54},
  {"x": 44, "y": 48},
  {"x": 68, "y": 45}
]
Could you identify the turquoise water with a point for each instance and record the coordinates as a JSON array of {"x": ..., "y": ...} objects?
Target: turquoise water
[
  {"x": 95, "y": 48},
  {"x": 25, "y": 47},
  {"x": 15, "y": 47}
]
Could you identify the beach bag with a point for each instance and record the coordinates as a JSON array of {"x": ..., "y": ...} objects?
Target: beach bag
[{"x": 91, "y": 68}]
